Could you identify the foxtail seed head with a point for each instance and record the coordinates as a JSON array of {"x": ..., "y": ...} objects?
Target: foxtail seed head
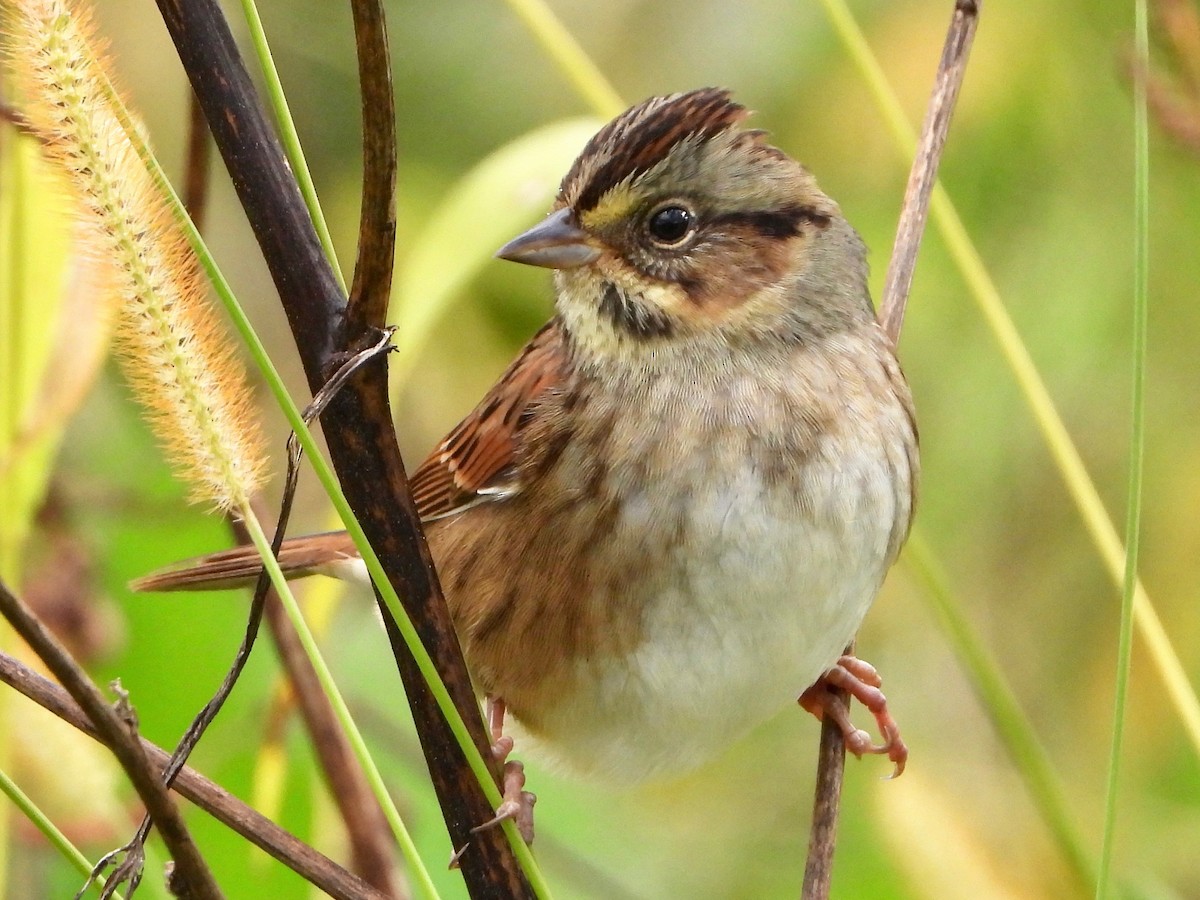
[{"x": 175, "y": 355}]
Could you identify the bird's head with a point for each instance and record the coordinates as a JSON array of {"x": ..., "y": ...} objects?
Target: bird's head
[{"x": 676, "y": 229}]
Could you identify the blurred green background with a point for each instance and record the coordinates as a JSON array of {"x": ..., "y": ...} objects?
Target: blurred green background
[{"x": 1039, "y": 162}]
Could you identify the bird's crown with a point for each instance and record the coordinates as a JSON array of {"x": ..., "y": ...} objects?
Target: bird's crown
[{"x": 643, "y": 136}]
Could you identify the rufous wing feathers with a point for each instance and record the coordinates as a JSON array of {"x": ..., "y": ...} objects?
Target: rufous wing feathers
[{"x": 475, "y": 463}]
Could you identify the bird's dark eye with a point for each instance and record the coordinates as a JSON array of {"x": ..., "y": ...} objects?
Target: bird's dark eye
[{"x": 671, "y": 224}]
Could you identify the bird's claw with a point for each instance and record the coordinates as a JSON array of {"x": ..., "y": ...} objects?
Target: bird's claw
[
  {"x": 860, "y": 680},
  {"x": 517, "y": 803}
]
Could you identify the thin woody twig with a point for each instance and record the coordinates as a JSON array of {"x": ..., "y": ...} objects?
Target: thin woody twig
[
  {"x": 130, "y": 868},
  {"x": 822, "y": 838},
  {"x": 191, "y": 874},
  {"x": 915, "y": 210},
  {"x": 372, "y": 849},
  {"x": 212, "y": 708},
  {"x": 358, "y": 427},
  {"x": 322, "y": 872},
  {"x": 831, "y": 756},
  {"x": 371, "y": 289},
  {"x": 818, "y": 867}
]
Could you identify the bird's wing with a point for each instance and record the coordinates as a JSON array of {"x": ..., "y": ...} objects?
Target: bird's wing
[{"x": 477, "y": 461}]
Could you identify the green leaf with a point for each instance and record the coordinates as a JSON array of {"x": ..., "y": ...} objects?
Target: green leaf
[
  {"x": 504, "y": 193},
  {"x": 55, "y": 332}
]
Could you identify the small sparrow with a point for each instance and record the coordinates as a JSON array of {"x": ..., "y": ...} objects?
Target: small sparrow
[{"x": 669, "y": 517}]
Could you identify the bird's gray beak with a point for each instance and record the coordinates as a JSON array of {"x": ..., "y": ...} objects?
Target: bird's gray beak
[{"x": 556, "y": 242}]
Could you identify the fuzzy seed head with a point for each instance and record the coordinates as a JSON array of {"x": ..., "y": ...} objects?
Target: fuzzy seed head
[{"x": 177, "y": 358}]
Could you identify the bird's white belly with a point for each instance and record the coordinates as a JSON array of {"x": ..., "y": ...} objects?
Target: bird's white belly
[{"x": 764, "y": 598}]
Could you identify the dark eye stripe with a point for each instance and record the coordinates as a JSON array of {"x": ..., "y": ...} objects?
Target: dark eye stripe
[{"x": 776, "y": 223}]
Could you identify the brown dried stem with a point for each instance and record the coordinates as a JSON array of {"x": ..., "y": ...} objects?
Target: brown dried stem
[
  {"x": 915, "y": 210},
  {"x": 827, "y": 804},
  {"x": 357, "y": 424},
  {"x": 192, "y": 877},
  {"x": 831, "y": 756},
  {"x": 372, "y": 286}
]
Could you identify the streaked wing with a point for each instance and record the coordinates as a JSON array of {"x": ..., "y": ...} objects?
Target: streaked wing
[{"x": 477, "y": 460}]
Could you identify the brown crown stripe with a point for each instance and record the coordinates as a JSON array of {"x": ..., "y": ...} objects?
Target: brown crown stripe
[{"x": 644, "y": 135}]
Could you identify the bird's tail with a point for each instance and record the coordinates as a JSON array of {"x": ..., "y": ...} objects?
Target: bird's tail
[{"x": 312, "y": 554}]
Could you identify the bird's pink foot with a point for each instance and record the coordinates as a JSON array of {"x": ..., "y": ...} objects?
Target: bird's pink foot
[
  {"x": 860, "y": 680},
  {"x": 517, "y": 803}
]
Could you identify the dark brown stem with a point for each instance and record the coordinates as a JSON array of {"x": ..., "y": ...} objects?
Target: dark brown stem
[
  {"x": 195, "y": 165},
  {"x": 298, "y": 856},
  {"x": 915, "y": 210},
  {"x": 357, "y": 424},
  {"x": 118, "y": 733},
  {"x": 371, "y": 290}
]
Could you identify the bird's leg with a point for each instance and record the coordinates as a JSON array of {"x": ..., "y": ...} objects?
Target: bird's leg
[
  {"x": 494, "y": 710},
  {"x": 860, "y": 680},
  {"x": 518, "y": 802}
]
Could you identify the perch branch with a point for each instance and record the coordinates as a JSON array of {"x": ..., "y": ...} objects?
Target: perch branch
[
  {"x": 831, "y": 756},
  {"x": 357, "y": 424},
  {"x": 915, "y": 210}
]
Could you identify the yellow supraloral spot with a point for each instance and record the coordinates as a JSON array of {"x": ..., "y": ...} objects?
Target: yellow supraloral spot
[{"x": 617, "y": 205}]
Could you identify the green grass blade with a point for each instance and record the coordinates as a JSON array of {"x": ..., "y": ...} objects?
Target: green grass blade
[
  {"x": 1062, "y": 448},
  {"x": 417, "y": 871},
  {"x": 560, "y": 45},
  {"x": 1137, "y": 437},
  {"x": 288, "y": 136},
  {"x": 49, "y": 830},
  {"x": 1000, "y": 704}
]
